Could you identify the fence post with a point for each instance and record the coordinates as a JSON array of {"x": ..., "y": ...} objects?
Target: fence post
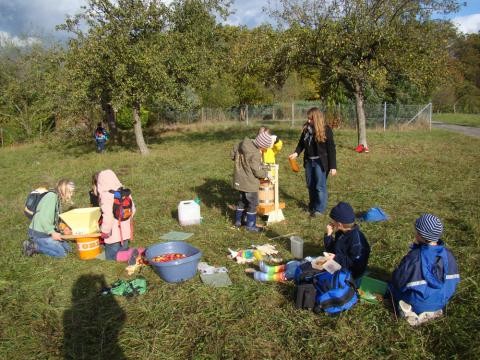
[
  {"x": 273, "y": 112},
  {"x": 246, "y": 113},
  {"x": 1, "y": 135},
  {"x": 384, "y": 115},
  {"x": 293, "y": 114},
  {"x": 430, "y": 116},
  {"x": 203, "y": 116}
]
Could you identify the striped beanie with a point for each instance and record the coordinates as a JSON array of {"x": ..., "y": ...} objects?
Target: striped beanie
[
  {"x": 429, "y": 227},
  {"x": 263, "y": 140}
]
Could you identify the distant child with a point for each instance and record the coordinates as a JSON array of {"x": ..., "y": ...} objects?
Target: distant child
[
  {"x": 101, "y": 137},
  {"x": 246, "y": 177},
  {"x": 268, "y": 155},
  {"x": 349, "y": 245},
  {"x": 116, "y": 233},
  {"x": 43, "y": 231},
  {"x": 427, "y": 277}
]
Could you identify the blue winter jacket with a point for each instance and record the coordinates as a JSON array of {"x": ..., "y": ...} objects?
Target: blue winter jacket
[
  {"x": 426, "y": 277},
  {"x": 351, "y": 250}
]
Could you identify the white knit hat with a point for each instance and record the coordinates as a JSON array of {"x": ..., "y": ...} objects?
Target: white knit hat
[{"x": 264, "y": 141}]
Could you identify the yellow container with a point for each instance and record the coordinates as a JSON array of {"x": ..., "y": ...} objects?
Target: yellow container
[
  {"x": 88, "y": 247},
  {"x": 83, "y": 220}
]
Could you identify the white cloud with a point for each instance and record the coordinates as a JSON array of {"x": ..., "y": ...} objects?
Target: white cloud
[
  {"x": 6, "y": 38},
  {"x": 468, "y": 24}
]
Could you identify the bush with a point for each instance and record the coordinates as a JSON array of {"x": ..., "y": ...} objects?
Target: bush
[{"x": 125, "y": 118}]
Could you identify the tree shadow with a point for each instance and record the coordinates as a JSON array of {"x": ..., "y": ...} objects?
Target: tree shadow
[{"x": 92, "y": 324}]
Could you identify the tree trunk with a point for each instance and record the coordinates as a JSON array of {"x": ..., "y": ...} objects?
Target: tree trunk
[
  {"x": 361, "y": 120},
  {"x": 110, "y": 119},
  {"x": 138, "y": 130}
]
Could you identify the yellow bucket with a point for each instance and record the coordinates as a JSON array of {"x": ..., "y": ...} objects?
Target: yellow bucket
[{"x": 88, "y": 247}]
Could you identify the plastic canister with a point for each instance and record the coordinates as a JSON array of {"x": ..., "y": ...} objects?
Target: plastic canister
[
  {"x": 296, "y": 247},
  {"x": 189, "y": 212}
]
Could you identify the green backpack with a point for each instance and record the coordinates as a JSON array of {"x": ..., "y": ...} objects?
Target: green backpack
[{"x": 129, "y": 287}]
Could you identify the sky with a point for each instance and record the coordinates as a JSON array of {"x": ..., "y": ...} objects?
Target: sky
[{"x": 19, "y": 18}]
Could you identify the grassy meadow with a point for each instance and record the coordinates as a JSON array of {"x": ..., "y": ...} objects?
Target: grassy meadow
[
  {"x": 458, "y": 119},
  {"x": 51, "y": 309}
]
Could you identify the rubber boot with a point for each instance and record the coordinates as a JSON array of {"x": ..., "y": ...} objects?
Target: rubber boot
[
  {"x": 252, "y": 223},
  {"x": 238, "y": 217}
]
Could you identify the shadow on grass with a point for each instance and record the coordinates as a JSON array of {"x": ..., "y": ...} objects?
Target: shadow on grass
[
  {"x": 216, "y": 193},
  {"x": 93, "y": 323},
  {"x": 300, "y": 203}
]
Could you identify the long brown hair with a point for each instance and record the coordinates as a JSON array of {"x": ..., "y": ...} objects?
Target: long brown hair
[{"x": 317, "y": 119}]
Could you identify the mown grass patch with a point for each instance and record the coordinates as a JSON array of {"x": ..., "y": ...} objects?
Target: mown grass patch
[
  {"x": 51, "y": 308},
  {"x": 458, "y": 119}
]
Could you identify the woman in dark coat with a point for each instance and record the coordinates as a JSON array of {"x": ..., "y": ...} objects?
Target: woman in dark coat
[{"x": 319, "y": 159}]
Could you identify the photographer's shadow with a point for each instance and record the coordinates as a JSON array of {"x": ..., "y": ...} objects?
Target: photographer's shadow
[{"x": 92, "y": 324}]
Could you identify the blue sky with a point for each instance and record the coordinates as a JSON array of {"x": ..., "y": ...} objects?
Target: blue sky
[{"x": 39, "y": 17}]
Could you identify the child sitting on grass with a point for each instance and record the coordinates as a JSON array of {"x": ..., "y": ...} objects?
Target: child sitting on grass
[
  {"x": 248, "y": 171},
  {"x": 427, "y": 277},
  {"x": 349, "y": 245},
  {"x": 286, "y": 272}
]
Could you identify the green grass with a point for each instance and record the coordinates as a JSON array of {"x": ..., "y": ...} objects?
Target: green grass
[
  {"x": 458, "y": 119},
  {"x": 51, "y": 308}
]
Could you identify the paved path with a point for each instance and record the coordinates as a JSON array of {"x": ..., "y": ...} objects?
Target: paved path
[{"x": 466, "y": 130}]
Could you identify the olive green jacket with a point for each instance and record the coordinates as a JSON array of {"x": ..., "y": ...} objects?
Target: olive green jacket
[{"x": 248, "y": 166}]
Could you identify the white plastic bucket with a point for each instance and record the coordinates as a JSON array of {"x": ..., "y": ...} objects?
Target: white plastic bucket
[{"x": 188, "y": 213}]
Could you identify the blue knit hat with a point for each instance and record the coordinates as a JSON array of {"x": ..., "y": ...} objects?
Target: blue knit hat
[
  {"x": 343, "y": 213},
  {"x": 429, "y": 227}
]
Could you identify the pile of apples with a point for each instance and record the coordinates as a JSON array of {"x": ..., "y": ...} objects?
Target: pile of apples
[{"x": 168, "y": 257}]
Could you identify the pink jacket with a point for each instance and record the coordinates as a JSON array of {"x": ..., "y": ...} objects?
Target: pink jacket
[{"x": 119, "y": 231}]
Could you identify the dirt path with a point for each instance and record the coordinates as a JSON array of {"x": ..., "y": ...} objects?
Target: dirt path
[{"x": 466, "y": 130}]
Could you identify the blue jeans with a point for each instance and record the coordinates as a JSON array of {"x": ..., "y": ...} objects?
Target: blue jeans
[
  {"x": 101, "y": 145},
  {"x": 46, "y": 245},
  {"x": 317, "y": 186},
  {"x": 291, "y": 268},
  {"x": 111, "y": 250}
]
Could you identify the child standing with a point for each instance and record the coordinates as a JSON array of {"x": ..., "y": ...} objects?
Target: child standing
[
  {"x": 427, "y": 276},
  {"x": 115, "y": 233},
  {"x": 349, "y": 245},
  {"x": 248, "y": 171},
  {"x": 101, "y": 137},
  {"x": 268, "y": 155}
]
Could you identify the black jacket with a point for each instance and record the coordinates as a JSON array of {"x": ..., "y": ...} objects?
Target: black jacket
[
  {"x": 325, "y": 150},
  {"x": 351, "y": 250}
]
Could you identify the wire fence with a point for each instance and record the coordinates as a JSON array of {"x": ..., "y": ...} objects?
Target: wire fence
[{"x": 341, "y": 115}]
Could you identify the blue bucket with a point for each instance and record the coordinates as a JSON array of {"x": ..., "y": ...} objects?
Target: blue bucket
[{"x": 176, "y": 270}]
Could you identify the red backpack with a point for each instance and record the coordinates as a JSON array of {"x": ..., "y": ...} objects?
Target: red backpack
[{"x": 122, "y": 204}]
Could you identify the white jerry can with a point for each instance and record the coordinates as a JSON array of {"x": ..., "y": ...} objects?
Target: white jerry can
[{"x": 189, "y": 213}]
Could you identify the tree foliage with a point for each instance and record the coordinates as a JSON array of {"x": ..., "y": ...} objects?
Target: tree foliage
[{"x": 358, "y": 45}]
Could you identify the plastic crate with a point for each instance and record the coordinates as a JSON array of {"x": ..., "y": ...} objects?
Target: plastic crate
[{"x": 371, "y": 288}]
